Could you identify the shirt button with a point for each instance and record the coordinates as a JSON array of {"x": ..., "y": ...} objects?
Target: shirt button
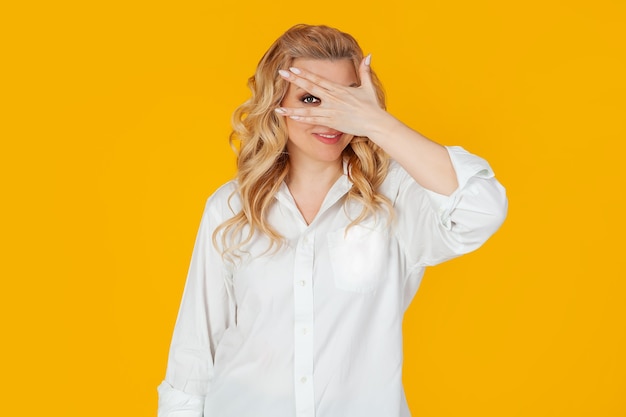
[
  {"x": 305, "y": 330},
  {"x": 303, "y": 379},
  {"x": 302, "y": 283}
]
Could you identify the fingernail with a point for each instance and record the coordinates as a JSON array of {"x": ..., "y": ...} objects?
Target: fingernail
[
  {"x": 295, "y": 70},
  {"x": 284, "y": 73},
  {"x": 368, "y": 59},
  {"x": 294, "y": 117},
  {"x": 280, "y": 110}
]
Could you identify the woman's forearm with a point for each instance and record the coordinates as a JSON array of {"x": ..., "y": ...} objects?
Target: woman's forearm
[{"x": 426, "y": 161}]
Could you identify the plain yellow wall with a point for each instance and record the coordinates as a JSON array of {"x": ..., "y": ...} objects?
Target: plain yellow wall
[{"x": 114, "y": 127}]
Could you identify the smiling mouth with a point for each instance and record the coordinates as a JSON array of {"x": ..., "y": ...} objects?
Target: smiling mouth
[{"x": 329, "y": 136}]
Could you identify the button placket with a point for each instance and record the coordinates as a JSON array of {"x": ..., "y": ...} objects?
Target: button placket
[{"x": 303, "y": 326}]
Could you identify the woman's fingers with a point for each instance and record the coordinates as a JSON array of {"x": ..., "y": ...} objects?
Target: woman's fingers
[
  {"x": 307, "y": 115},
  {"x": 315, "y": 84},
  {"x": 364, "y": 72},
  {"x": 310, "y": 83},
  {"x": 303, "y": 78}
]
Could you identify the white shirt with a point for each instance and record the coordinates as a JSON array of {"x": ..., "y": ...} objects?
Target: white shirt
[{"x": 315, "y": 329}]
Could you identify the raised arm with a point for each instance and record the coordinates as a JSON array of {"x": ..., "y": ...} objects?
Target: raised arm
[{"x": 447, "y": 201}]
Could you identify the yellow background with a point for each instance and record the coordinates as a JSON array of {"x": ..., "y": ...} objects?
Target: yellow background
[{"x": 114, "y": 127}]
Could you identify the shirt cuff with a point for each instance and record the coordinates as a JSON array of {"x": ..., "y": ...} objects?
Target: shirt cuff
[
  {"x": 176, "y": 403},
  {"x": 467, "y": 166}
]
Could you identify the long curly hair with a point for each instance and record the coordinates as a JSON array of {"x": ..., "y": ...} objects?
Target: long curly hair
[{"x": 262, "y": 160}]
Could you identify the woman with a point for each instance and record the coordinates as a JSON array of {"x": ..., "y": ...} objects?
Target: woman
[{"x": 303, "y": 267}]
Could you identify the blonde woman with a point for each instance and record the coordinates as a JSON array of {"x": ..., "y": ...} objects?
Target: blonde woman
[{"x": 304, "y": 265}]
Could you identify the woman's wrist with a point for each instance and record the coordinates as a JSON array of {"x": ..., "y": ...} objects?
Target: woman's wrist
[{"x": 382, "y": 127}]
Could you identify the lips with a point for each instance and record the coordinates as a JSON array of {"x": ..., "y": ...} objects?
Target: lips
[{"x": 328, "y": 137}]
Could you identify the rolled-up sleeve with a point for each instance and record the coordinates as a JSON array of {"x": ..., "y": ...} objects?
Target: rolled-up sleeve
[
  {"x": 206, "y": 311},
  {"x": 176, "y": 403},
  {"x": 433, "y": 228}
]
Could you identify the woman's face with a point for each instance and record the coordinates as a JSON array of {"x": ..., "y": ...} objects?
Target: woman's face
[{"x": 312, "y": 143}]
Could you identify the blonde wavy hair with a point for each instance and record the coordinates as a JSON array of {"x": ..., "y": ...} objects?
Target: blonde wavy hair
[{"x": 262, "y": 160}]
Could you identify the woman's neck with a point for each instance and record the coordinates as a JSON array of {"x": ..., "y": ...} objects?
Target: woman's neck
[
  {"x": 309, "y": 185},
  {"x": 313, "y": 175}
]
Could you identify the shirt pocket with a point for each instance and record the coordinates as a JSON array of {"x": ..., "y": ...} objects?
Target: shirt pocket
[{"x": 358, "y": 258}]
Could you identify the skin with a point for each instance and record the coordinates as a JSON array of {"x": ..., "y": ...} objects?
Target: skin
[
  {"x": 314, "y": 144},
  {"x": 353, "y": 110}
]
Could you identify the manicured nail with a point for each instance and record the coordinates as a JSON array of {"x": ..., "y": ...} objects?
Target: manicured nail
[
  {"x": 368, "y": 59},
  {"x": 280, "y": 110},
  {"x": 284, "y": 73},
  {"x": 295, "y": 70},
  {"x": 294, "y": 117}
]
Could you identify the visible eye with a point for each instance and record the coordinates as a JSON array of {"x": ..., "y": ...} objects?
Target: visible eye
[{"x": 309, "y": 99}]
